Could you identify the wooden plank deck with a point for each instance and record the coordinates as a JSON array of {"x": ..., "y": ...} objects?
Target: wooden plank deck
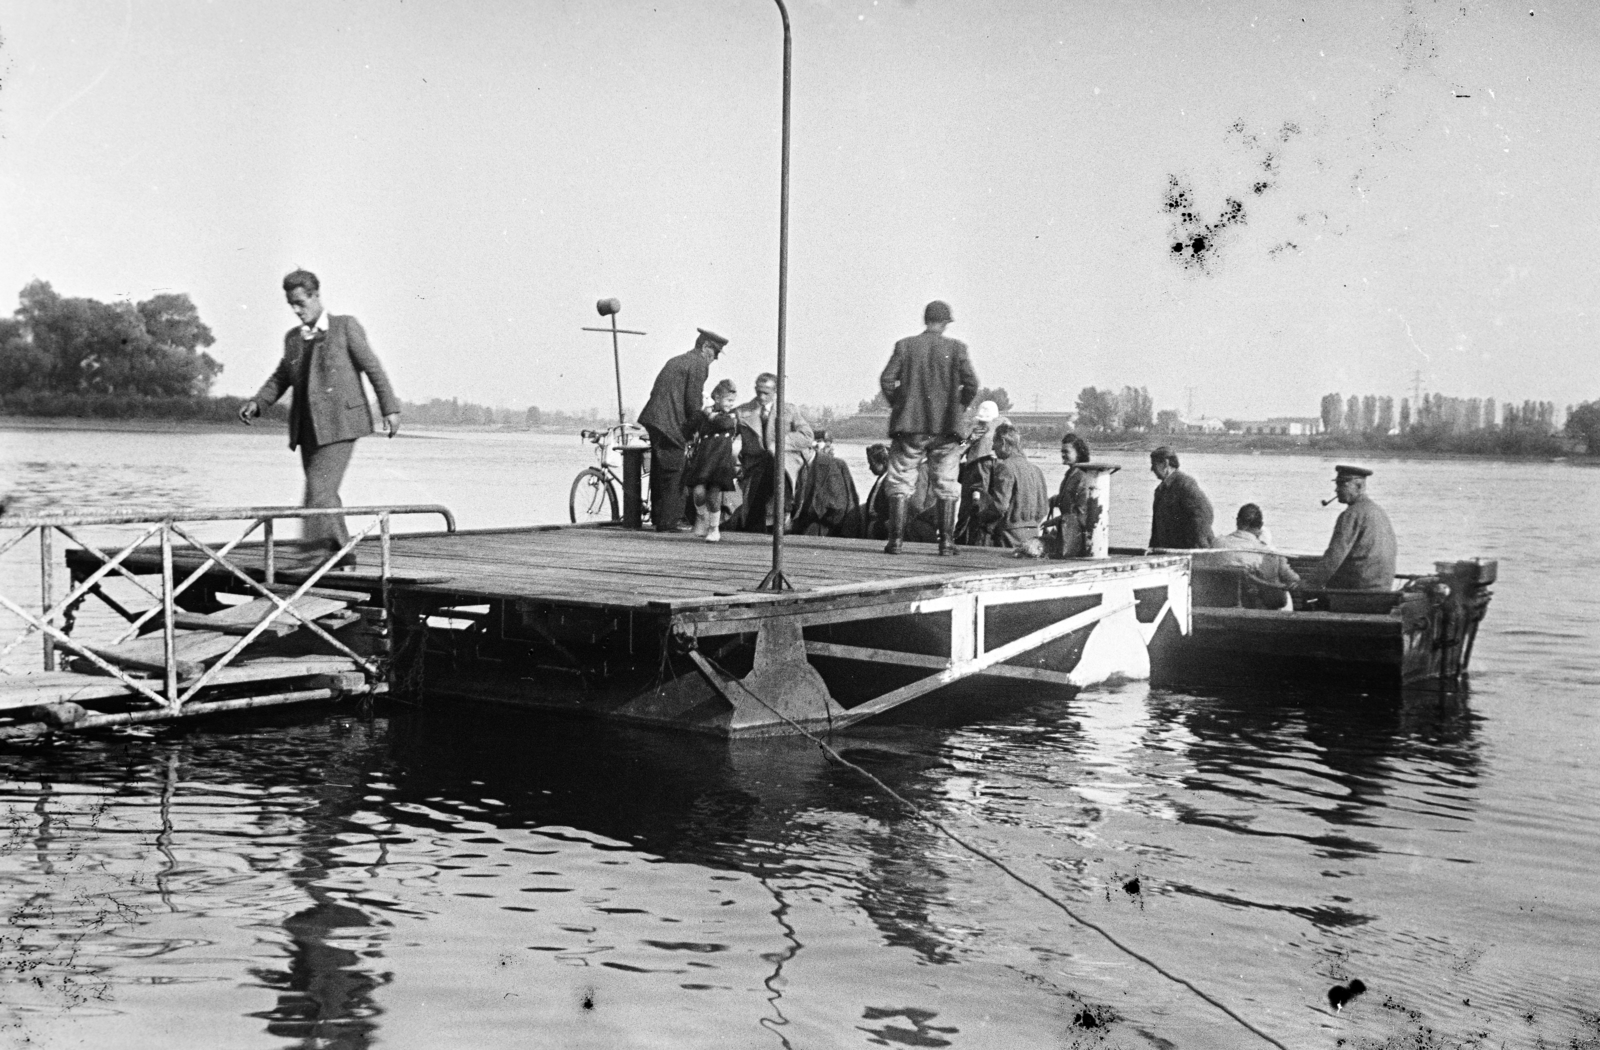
[{"x": 640, "y": 570}]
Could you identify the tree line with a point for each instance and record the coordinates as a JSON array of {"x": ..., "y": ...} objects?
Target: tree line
[
  {"x": 54, "y": 344},
  {"x": 1440, "y": 423}
]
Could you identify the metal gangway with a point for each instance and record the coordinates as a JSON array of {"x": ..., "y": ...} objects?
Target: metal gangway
[{"x": 202, "y": 660}]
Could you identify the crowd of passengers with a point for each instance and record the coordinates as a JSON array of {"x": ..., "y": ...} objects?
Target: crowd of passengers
[{"x": 951, "y": 473}]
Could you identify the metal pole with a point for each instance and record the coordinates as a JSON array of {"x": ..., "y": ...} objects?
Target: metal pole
[
  {"x": 169, "y": 640},
  {"x": 384, "y": 562},
  {"x": 47, "y": 590},
  {"x": 270, "y": 554},
  {"x": 775, "y": 580},
  {"x": 616, "y": 361}
]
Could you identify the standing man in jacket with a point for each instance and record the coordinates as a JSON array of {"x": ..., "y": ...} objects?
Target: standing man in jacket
[
  {"x": 1181, "y": 516},
  {"x": 323, "y": 361},
  {"x": 929, "y": 382},
  {"x": 670, "y": 416}
]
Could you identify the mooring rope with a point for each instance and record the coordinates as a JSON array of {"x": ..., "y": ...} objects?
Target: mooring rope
[{"x": 983, "y": 854}]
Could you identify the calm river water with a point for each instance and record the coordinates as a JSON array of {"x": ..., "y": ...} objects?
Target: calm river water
[{"x": 476, "y": 878}]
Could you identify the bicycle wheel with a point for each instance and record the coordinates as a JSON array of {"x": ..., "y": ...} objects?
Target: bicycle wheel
[{"x": 592, "y": 497}]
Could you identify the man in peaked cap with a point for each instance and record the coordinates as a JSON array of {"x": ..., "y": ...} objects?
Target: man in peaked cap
[
  {"x": 929, "y": 382},
  {"x": 670, "y": 417},
  {"x": 1361, "y": 554}
]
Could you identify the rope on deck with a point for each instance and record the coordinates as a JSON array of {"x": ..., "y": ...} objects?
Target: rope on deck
[{"x": 983, "y": 854}]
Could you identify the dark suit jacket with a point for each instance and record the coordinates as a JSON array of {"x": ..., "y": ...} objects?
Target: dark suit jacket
[
  {"x": 337, "y": 405},
  {"x": 676, "y": 399},
  {"x": 929, "y": 382}
]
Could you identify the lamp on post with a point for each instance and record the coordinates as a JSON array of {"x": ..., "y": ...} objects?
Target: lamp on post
[{"x": 775, "y": 579}]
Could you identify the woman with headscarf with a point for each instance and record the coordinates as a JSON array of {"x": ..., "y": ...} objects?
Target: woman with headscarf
[{"x": 977, "y": 466}]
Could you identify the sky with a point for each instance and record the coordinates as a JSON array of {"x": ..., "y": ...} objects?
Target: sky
[{"x": 1238, "y": 205}]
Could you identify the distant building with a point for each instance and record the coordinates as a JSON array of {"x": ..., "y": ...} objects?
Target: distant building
[
  {"x": 1058, "y": 420},
  {"x": 1288, "y": 426},
  {"x": 1205, "y": 425}
]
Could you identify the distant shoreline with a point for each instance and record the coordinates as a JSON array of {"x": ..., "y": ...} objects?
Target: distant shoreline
[
  {"x": 156, "y": 425},
  {"x": 1036, "y": 450}
]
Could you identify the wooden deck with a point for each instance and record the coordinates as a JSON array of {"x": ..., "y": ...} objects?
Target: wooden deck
[
  {"x": 669, "y": 629},
  {"x": 611, "y": 568}
]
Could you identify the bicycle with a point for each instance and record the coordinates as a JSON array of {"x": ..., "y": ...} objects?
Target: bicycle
[{"x": 596, "y": 491}]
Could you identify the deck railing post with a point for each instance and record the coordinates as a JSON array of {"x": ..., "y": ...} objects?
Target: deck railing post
[
  {"x": 169, "y": 639},
  {"x": 269, "y": 555},
  {"x": 383, "y": 558},
  {"x": 47, "y": 590}
]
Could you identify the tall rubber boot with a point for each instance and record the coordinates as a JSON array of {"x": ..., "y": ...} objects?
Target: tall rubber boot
[
  {"x": 948, "y": 509},
  {"x": 897, "y": 525}
]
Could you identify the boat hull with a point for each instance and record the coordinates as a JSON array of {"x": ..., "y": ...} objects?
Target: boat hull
[{"x": 1423, "y": 632}]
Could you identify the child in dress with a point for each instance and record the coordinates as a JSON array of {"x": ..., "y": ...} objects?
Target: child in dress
[{"x": 713, "y": 471}]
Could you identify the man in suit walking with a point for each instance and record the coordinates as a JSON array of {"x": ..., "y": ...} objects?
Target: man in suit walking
[
  {"x": 670, "y": 416},
  {"x": 323, "y": 361},
  {"x": 929, "y": 382}
]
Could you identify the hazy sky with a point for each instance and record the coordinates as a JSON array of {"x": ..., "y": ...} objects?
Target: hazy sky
[{"x": 1418, "y": 183}]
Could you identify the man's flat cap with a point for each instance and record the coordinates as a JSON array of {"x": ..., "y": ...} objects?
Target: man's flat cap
[
  {"x": 707, "y": 336},
  {"x": 1346, "y": 471},
  {"x": 937, "y": 312}
]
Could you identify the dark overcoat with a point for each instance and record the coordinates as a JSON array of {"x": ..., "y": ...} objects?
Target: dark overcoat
[
  {"x": 674, "y": 408},
  {"x": 1181, "y": 516},
  {"x": 929, "y": 382},
  {"x": 333, "y": 397}
]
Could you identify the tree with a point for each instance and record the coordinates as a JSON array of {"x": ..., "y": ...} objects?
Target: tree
[
  {"x": 151, "y": 349},
  {"x": 1135, "y": 408},
  {"x": 1385, "y": 415},
  {"x": 998, "y": 395},
  {"x": 532, "y": 416},
  {"x": 1168, "y": 421},
  {"x": 1369, "y": 413},
  {"x": 1352, "y": 415},
  {"x": 876, "y": 403},
  {"x": 1583, "y": 422},
  {"x": 1097, "y": 409},
  {"x": 1332, "y": 412},
  {"x": 1405, "y": 415}
]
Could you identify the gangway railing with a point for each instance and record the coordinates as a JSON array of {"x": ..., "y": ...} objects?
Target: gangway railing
[{"x": 168, "y": 528}]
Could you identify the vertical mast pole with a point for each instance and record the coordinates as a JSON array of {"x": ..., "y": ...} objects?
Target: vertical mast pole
[{"x": 775, "y": 580}]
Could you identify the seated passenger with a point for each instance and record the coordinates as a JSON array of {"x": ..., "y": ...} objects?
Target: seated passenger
[
  {"x": 1268, "y": 579},
  {"x": 977, "y": 464},
  {"x": 1361, "y": 553},
  {"x": 1017, "y": 499},
  {"x": 825, "y": 494}
]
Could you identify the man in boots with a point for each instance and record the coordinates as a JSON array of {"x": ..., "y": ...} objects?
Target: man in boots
[{"x": 928, "y": 383}]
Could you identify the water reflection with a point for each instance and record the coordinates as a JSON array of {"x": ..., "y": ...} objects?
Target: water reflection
[
  {"x": 597, "y": 847},
  {"x": 777, "y": 810},
  {"x": 325, "y": 992}
]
